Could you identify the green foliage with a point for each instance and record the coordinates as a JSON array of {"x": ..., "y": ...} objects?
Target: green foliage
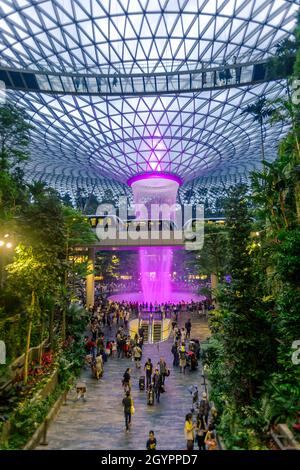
[
  {"x": 14, "y": 136},
  {"x": 107, "y": 265},
  {"x": 77, "y": 228},
  {"x": 249, "y": 356},
  {"x": 282, "y": 63},
  {"x": 296, "y": 70},
  {"x": 212, "y": 257}
]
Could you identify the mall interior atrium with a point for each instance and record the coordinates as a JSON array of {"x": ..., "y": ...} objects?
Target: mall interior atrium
[{"x": 149, "y": 225}]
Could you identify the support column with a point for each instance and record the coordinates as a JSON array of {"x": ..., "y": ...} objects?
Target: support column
[{"x": 90, "y": 278}]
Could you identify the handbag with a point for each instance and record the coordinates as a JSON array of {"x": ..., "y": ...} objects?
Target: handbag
[{"x": 132, "y": 409}]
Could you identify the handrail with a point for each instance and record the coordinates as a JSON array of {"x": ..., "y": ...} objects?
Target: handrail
[{"x": 223, "y": 76}]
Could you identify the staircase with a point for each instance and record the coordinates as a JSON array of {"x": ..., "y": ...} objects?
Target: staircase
[{"x": 157, "y": 333}]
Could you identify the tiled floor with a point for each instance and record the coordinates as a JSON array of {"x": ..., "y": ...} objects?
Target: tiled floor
[{"x": 98, "y": 423}]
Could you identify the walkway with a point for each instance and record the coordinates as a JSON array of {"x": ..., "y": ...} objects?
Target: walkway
[
  {"x": 210, "y": 78},
  {"x": 99, "y": 422}
]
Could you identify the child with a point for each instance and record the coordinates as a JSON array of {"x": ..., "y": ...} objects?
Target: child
[
  {"x": 81, "y": 390},
  {"x": 151, "y": 443},
  {"x": 210, "y": 439}
]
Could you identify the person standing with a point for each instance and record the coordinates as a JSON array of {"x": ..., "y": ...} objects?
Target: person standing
[
  {"x": 128, "y": 408},
  {"x": 126, "y": 320},
  {"x": 119, "y": 344},
  {"x": 141, "y": 332},
  {"x": 151, "y": 443},
  {"x": 189, "y": 431},
  {"x": 175, "y": 333},
  {"x": 137, "y": 354},
  {"x": 174, "y": 351},
  {"x": 204, "y": 407},
  {"x": 162, "y": 370},
  {"x": 150, "y": 395},
  {"x": 201, "y": 432},
  {"x": 182, "y": 358},
  {"x": 210, "y": 439},
  {"x": 188, "y": 328},
  {"x": 127, "y": 380},
  {"x": 148, "y": 369}
]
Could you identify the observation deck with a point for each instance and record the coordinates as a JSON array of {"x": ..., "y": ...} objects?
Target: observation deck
[{"x": 203, "y": 78}]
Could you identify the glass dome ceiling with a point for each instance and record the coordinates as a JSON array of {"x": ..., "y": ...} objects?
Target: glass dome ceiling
[
  {"x": 201, "y": 135},
  {"x": 139, "y": 35}
]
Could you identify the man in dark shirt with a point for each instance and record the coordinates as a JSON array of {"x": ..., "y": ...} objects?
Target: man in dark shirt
[
  {"x": 148, "y": 369},
  {"x": 151, "y": 443},
  {"x": 127, "y": 404},
  {"x": 188, "y": 327},
  {"x": 157, "y": 384}
]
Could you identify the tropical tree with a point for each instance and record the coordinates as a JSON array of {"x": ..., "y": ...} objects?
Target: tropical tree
[
  {"x": 211, "y": 260},
  {"x": 32, "y": 272},
  {"x": 283, "y": 62},
  {"x": 78, "y": 236},
  {"x": 241, "y": 327},
  {"x": 272, "y": 192},
  {"x": 14, "y": 136},
  {"x": 261, "y": 112}
]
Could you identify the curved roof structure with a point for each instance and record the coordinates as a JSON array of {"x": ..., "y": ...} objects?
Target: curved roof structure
[{"x": 82, "y": 137}]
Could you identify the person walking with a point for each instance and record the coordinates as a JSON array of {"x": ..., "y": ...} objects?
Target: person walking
[
  {"x": 148, "y": 369},
  {"x": 151, "y": 443},
  {"x": 175, "y": 333},
  {"x": 127, "y": 380},
  {"x": 128, "y": 409},
  {"x": 182, "y": 358},
  {"x": 126, "y": 320},
  {"x": 204, "y": 407},
  {"x": 119, "y": 344},
  {"x": 189, "y": 431},
  {"x": 188, "y": 328},
  {"x": 174, "y": 351},
  {"x": 137, "y": 354},
  {"x": 162, "y": 370}
]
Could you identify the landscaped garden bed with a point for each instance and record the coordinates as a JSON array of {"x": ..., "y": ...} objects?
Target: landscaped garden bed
[{"x": 27, "y": 405}]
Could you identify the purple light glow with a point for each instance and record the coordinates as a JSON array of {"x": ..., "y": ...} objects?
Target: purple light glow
[
  {"x": 155, "y": 174},
  {"x": 175, "y": 297},
  {"x": 155, "y": 268}
]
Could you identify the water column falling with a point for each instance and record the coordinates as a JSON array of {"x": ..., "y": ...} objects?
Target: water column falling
[{"x": 156, "y": 261}]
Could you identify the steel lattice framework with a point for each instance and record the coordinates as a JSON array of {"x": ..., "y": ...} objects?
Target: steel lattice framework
[{"x": 80, "y": 139}]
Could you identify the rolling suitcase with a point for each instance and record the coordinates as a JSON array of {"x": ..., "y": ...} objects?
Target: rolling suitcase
[
  {"x": 150, "y": 400},
  {"x": 142, "y": 383}
]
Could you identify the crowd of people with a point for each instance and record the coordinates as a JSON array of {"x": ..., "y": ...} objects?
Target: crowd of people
[
  {"x": 200, "y": 430},
  {"x": 108, "y": 336},
  {"x": 153, "y": 382}
]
